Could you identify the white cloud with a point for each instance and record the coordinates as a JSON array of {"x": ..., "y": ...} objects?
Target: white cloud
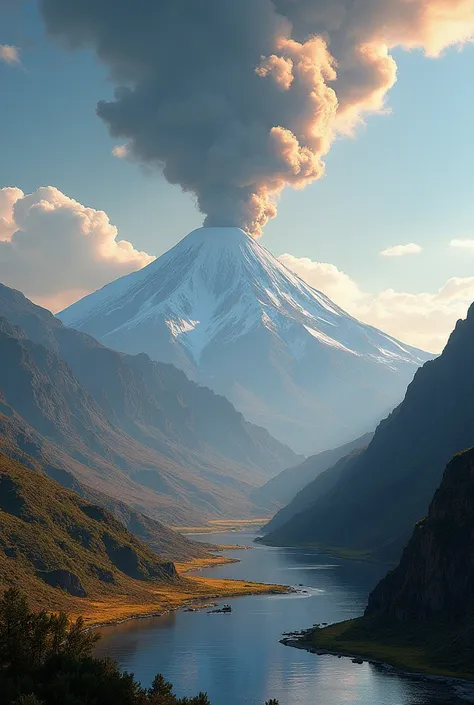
[
  {"x": 326, "y": 278},
  {"x": 463, "y": 244},
  {"x": 56, "y": 250},
  {"x": 9, "y": 54},
  {"x": 8, "y": 197},
  {"x": 120, "y": 151},
  {"x": 401, "y": 250},
  {"x": 424, "y": 320}
]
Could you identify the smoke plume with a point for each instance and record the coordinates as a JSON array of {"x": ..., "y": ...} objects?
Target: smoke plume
[{"x": 236, "y": 99}]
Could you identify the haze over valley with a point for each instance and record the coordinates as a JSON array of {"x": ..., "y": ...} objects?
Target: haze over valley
[{"x": 236, "y": 344}]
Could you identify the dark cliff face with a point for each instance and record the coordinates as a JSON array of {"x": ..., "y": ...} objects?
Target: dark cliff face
[{"x": 435, "y": 577}]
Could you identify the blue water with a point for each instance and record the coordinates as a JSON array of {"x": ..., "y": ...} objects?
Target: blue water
[{"x": 238, "y": 660}]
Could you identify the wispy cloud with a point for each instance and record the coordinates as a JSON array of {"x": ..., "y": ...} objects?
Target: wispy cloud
[
  {"x": 120, "y": 151},
  {"x": 463, "y": 244},
  {"x": 424, "y": 319},
  {"x": 10, "y": 54},
  {"x": 401, "y": 250}
]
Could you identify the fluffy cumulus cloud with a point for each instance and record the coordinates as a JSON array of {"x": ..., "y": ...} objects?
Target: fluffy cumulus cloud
[
  {"x": 234, "y": 100},
  {"x": 56, "y": 250},
  {"x": 424, "y": 319},
  {"x": 402, "y": 250},
  {"x": 9, "y": 54}
]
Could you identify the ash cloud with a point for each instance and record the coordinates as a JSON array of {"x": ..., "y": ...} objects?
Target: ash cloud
[{"x": 235, "y": 99}]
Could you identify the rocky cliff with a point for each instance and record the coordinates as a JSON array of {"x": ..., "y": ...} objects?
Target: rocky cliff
[
  {"x": 435, "y": 577},
  {"x": 420, "y": 617}
]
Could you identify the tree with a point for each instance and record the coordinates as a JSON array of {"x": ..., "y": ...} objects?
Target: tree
[
  {"x": 45, "y": 658},
  {"x": 28, "y": 640}
]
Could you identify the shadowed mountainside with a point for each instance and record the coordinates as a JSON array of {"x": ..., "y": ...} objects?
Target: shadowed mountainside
[
  {"x": 295, "y": 520},
  {"x": 284, "y": 487},
  {"x": 379, "y": 497},
  {"x": 420, "y": 617}
]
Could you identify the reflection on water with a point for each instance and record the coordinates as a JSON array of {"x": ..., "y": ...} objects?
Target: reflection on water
[{"x": 237, "y": 658}]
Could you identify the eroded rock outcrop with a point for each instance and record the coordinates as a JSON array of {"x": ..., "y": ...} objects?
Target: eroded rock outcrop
[{"x": 65, "y": 580}]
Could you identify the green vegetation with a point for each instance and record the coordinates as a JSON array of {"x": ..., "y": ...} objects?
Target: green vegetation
[
  {"x": 66, "y": 552},
  {"x": 50, "y": 538},
  {"x": 45, "y": 659},
  {"x": 434, "y": 648}
]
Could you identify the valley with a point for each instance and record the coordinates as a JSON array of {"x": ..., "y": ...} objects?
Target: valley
[
  {"x": 222, "y": 647},
  {"x": 236, "y": 352},
  {"x": 218, "y": 300}
]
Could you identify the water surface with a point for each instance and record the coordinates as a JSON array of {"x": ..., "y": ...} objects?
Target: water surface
[{"x": 238, "y": 660}]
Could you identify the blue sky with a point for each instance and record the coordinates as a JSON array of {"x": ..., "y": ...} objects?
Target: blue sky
[{"x": 405, "y": 177}]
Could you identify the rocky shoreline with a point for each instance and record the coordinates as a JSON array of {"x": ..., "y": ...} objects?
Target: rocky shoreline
[{"x": 463, "y": 687}]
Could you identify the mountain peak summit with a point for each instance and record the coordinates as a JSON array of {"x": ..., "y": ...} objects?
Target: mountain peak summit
[
  {"x": 220, "y": 306},
  {"x": 214, "y": 232}
]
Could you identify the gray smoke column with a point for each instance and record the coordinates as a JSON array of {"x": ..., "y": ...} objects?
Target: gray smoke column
[{"x": 236, "y": 99}]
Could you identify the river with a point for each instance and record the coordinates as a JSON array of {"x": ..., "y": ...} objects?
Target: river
[{"x": 237, "y": 658}]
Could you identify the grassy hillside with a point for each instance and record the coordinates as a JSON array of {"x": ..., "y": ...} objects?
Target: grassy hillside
[{"x": 71, "y": 555}]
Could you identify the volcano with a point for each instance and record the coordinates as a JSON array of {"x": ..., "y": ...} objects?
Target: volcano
[{"x": 222, "y": 308}]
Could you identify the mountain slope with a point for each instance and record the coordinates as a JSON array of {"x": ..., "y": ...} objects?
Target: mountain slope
[
  {"x": 138, "y": 430},
  {"x": 223, "y": 309},
  {"x": 379, "y": 498},
  {"x": 59, "y": 546},
  {"x": 284, "y": 487},
  {"x": 68, "y": 554},
  {"x": 293, "y": 523},
  {"x": 153, "y": 402},
  {"x": 23, "y": 444},
  {"x": 41, "y": 388}
]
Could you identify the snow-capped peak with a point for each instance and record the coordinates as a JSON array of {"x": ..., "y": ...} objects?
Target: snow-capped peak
[
  {"x": 221, "y": 283},
  {"x": 222, "y": 308}
]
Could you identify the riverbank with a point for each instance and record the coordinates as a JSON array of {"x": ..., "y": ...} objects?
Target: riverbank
[
  {"x": 410, "y": 654},
  {"x": 218, "y": 526},
  {"x": 155, "y": 601}
]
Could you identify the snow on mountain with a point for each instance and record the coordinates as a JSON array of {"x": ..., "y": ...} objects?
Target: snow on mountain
[{"x": 224, "y": 309}]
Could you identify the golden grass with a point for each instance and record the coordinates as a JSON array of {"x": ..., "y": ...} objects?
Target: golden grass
[
  {"x": 157, "y": 600},
  {"x": 43, "y": 524},
  {"x": 217, "y": 526},
  {"x": 207, "y": 562}
]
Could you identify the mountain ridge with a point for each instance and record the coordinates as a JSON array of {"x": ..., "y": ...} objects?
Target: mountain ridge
[
  {"x": 285, "y": 487},
  {"x": 133, "y": 426},
  {"x": 222, "y": 308}
]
